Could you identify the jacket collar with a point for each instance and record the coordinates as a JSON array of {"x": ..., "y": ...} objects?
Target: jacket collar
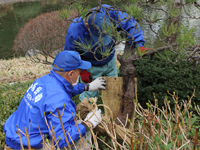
[{"x": 62, "y": 81}]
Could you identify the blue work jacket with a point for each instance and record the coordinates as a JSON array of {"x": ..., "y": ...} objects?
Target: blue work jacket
[
  {"x": 44, "y": 96},
  {"x": 78, "y": 31}
]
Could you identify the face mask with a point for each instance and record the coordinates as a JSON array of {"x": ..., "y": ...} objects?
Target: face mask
[{"x": 73, "y": 84}]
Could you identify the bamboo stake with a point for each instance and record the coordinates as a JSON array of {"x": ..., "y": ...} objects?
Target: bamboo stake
[
  {"x": 196, "y": 137},
  {"x": 132, "y": 144},
  {"x": 146, "y": 146}
]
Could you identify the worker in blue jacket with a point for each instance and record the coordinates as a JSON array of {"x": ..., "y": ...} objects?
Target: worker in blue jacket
[
  {"x": 44, "y": 96},
  {"x": 83, "y": 31}
]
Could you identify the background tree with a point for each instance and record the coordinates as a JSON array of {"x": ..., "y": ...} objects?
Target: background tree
[
  {"x": 177, "y": 40},
  {"x": 42, "y": 38}
]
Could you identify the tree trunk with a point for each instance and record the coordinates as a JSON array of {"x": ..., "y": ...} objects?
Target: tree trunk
[
  {"x": 128, "y": 73},
  {"x": 174, "y": 21}
]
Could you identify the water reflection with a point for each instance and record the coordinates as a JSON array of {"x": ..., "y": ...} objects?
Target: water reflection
[{"x": 14, "y": 16}]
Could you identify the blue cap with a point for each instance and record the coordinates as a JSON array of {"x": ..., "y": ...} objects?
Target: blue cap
[
  {"x": 69, "y": 60},
  {"x": 99, "y": 19}
]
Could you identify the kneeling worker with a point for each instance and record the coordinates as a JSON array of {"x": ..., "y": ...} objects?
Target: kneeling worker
[{"x": 44, "y": 96}]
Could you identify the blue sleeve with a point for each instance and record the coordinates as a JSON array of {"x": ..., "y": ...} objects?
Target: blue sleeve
[
  {"x": 78, "y": 89},
  {"x": 68, "y": 123},
  {"x": 129, "y": 26}
]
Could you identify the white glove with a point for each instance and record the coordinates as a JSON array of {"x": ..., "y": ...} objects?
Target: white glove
[
  {"x": 98, "y": 84},
  {"x": 94, "y": 118}
]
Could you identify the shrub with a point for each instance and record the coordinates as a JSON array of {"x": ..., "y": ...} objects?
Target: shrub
[
  {"x": 157, "y": 76},
  {"x": 10, "y": 97},
  {"x": 45, "y": 33}
]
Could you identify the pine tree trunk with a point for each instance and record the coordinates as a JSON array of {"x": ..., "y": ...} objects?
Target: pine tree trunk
[
  {"x": 174, "y": 21},
  {"x": 128, "y": 73}
]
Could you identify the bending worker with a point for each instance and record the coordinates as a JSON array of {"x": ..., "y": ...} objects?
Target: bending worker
[
  {"x": 44, "y": 96},
  {"x": 84, "y": 32}
]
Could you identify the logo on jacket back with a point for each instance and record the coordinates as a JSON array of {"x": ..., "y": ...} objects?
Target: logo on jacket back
[
  {"x": 33, "y": 94},
  {"x": 38, "y": 97}
]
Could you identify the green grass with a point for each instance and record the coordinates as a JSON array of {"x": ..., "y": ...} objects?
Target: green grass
[{"x": 10, "y": 97}]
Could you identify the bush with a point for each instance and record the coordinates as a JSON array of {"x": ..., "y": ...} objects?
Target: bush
[
  {"x": 157, "y": 76},
  {"x": 45, "y": 33},
  {"x": 10, "y": 97}
]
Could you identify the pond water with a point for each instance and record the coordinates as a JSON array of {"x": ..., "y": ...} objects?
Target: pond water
[{"x": 14, "y": 16}]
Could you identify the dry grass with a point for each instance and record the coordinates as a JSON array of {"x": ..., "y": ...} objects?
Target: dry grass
[{"x": 21, "y": 69}]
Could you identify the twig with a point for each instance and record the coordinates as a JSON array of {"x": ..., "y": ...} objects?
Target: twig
[
  {"x": 79, "y": 131},
  {"x": 27, "y": 137},
  {"x": 105, "y": 143},
  {"x": 71, "y": 140},
  {"x": 184, "y": 145},
  {"x": 21, "y": 143},
  {"x": 53, "y": 137},
  {"x": 42, "y": 138},
  {"x": 60, "y": 117}
]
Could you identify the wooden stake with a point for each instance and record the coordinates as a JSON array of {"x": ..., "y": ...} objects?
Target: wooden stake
[{"x": 196, "y": 137}]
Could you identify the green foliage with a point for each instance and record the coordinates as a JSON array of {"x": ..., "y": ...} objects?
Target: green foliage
[
  {"x": 115, "y": 0},
  {"x": 186, "y": 38},
  {"x": 194, "y": 123},
  {"x": 65, "y": 13},
  {"x": 83, "y": 46},
  {"x": 156, "y": 76},
  {"x": 172, "y": 30},
  {"x": 169, "y": 146},
  {"x": 81, "y": 11},
  {"x": 111, "y": 29},
  {"x": 76, "y": 99},
  {"x": 174, "y": 12},
  {"x": 10, "y": 97},
  {"x": 133, "y": 10},
  {"x": 190, "y": 1},
  {"x": 133, "y": 1},
  {"x": 108, "y": 50}
]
